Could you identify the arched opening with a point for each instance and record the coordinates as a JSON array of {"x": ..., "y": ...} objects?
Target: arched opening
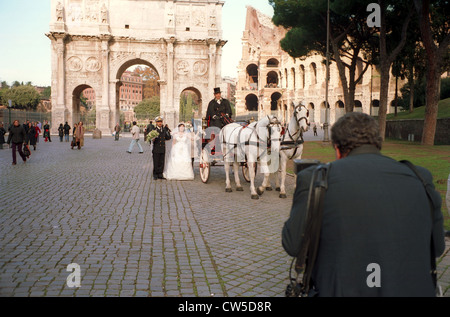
[
  {"x": 273, "y": 62},
  {"x": 392, "y": 106},
  {"x": 137, "y": 92},
  {"x": 275, "y": 101},
  {"x": 358, "y": 106},
  {"x": 313, "y": 72},
  {"x": 323, "y": 112},
  {"x": 302, "y": 76},
  {"x": 375, "y": 107},
  {"x": 251, "y": 102},
  {"x": 311, "y": 112},
  {"x": 340, "y": 109},
  {"x": 83, "y": 107},
  {"x": 293, "y": 84},
  {"x": 272, "y": 80},
  {"x": 286, "y": 113},
  {"x": 252, "y": 76},
  {"x": 286, "y": 78},
  {"x": 190, "y": 104}
]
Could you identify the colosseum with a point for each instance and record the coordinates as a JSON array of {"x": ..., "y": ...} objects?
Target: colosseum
[{"x": 269, "y": 80}]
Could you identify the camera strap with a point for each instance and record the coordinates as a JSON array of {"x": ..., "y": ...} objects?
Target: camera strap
[
  {"x": 310, "y": 241},
  {"x": 428, "y": 189}
]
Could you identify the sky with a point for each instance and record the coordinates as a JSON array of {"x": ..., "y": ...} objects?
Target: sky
[{"x": 25, "y": 50}]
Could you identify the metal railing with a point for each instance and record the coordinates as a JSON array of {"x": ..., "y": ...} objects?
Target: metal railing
[{"x": 23, "y": 116}]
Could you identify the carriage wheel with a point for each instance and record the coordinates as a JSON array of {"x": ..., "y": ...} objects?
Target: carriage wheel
[
  {"x": 205, "y": 167},
  {"x": 245, "y": 171}
]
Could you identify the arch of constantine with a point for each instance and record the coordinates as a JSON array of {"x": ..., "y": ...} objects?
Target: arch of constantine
[{"x": 95, "y": 41}]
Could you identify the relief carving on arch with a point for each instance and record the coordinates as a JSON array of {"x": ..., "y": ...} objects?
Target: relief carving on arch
[
  {"x": 182, "y": 67},
  {"x": 93, "y": 64},
  {"x": 74, "y": 64},
  {"x": 200, "y": 68}
]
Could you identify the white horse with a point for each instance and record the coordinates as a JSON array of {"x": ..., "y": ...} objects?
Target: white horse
[
  {"x": 259, "y": 142},
  {"x": 292, "y": 143}
]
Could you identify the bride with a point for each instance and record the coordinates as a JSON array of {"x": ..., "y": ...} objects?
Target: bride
[{"x": 179, "y": 163}]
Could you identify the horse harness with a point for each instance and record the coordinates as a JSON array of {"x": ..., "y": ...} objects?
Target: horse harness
[
  {"x": 293, "y": 143},
  {"x": 257, "y": 143}
]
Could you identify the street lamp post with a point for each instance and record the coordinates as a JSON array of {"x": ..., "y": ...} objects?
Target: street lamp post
[
  {"x": 9, "y": 110},
  {"x": 326, "y": 137}
]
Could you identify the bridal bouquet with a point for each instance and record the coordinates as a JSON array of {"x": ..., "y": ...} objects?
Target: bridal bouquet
[{"x": 152, "y": 135}]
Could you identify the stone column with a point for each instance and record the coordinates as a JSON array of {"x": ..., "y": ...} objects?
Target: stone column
[
  {"x": 104, "y": 111},
  {"x": 169, "y": 110},
  {"x": 59, "y": 111},
  {"x": 212, "y": 65}
]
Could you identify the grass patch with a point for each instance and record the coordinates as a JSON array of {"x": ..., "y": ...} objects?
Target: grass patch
[
  {"x": 434, "y": 158},
  {"x": 419, "y": 112}
]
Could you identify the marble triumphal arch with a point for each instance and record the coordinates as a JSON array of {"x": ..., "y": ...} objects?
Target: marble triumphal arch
[{"x": 94, "y": 41}]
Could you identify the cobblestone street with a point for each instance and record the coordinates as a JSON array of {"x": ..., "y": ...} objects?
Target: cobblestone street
[{"x": 99, "y": 207}]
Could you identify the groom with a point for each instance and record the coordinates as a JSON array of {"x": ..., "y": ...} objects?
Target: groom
[{"x": 159, "y": 149}]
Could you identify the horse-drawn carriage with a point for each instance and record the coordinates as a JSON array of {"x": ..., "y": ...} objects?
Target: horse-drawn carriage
[
  {"x": 211, "y": 155},
  {"x": 261, "y": 143}
]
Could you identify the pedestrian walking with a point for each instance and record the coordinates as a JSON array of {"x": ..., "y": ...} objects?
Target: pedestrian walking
[
  {"x": 61, "y": 132},
  {"x": 66, "y": 131},
  {"x": 74, "y": 136},
  {"x": 79, "y": 135},
  {"x": 117, "y": 130},
  {"x": 2, "y": 135},
  {"x": 376, "y": 215},
  {"x": 17, "y": 138},
  {"x": 38, "y": 130},
  {"x": 46, "y": 135},
  {"x": 315, "y": 130},
  {"x": 135, "y": 139},
  {"x": 32, "y": 135}
]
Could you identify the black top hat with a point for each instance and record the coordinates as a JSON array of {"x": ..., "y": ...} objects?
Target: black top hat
[{"x": 217, "y": 90}]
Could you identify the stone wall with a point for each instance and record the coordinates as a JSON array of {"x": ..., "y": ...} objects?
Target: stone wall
[{"x": 405, "y": 129}]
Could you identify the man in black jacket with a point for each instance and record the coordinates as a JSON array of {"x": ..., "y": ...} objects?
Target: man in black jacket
[
  {"x": 159, "y": 149},
  {"x": 47, "y": 131},
  {"x": 17, "y": 137},
  {"x": 66, "y": 131},
  {"x": 219, "y": 111},
  {"x": 377, "y": 221}
]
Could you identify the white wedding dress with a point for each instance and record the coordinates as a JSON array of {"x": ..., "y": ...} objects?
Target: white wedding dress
[{"x": 179, "y": 164}]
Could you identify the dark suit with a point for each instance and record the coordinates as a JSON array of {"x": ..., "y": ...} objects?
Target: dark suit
[
  {"x": 159, "y": 151},
  {"x": 215, "y": 112},
  {"x": 375, "y": 211}
]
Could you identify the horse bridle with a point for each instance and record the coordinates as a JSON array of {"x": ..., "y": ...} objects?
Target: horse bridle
[
  {"x": 295, "y": 142},
  {"x": 298, "y": 124}
]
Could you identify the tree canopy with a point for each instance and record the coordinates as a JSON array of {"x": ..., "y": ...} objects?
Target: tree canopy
[
  {"x": 148, "y": 108},
  {"x": 22, "y": 97}
]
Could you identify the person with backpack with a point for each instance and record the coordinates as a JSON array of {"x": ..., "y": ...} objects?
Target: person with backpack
[{"x": 380, "y": 230}]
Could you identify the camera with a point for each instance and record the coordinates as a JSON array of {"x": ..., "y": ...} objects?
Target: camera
[
  {"x": 302, "y": 164},
  {"x": 294, "y": 289}
]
